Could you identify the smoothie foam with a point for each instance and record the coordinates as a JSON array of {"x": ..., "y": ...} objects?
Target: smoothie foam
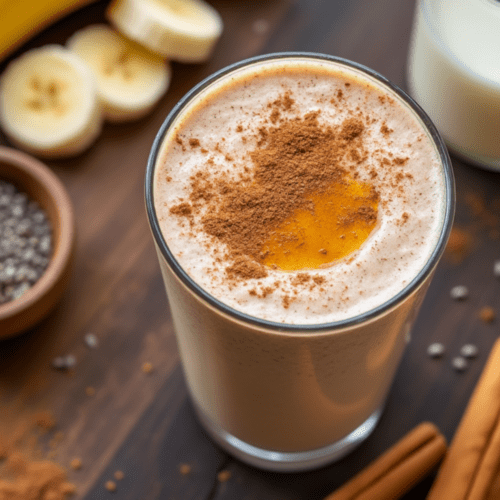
[{"x": 219, "y": 133}]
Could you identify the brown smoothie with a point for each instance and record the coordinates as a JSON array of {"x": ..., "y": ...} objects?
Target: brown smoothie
[{"x": 299, "y": 192}]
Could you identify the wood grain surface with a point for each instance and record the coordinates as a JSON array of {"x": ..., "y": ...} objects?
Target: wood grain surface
[{"x": 142, "y": 423}]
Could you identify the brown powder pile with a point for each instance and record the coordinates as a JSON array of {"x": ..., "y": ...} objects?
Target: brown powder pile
[
  {"x": 294, "y": 158},
  {"x": 24, "y": 474},
  {"x": 29, "y": 479}
]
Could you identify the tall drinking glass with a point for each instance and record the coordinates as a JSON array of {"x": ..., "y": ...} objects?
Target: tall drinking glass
[{"x": 293, "y": 395}]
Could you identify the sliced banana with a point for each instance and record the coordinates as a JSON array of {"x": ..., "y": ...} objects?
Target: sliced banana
[
  {"x": 49, "y": 104},
  {"x": 182, "y": 30},
  {"x": 130, "y": 79}
]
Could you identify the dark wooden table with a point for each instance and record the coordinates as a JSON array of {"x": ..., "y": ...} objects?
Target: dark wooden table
[{"x": 142, "y": 423}]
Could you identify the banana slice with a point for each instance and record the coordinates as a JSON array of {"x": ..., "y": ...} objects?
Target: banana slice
[
  {"x": 48, "y": 103},
  {"x": 183, "y": 30},
  {"x": 130, "y": 79}
]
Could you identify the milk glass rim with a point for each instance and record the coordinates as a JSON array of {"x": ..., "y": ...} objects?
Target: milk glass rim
[{"x": 286, "y": 327}]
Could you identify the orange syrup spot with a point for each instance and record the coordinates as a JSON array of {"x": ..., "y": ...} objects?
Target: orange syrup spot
[{"x": 338, "y": 223}]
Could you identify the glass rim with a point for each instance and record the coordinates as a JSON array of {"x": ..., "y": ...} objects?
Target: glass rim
[{"x": 202, "y": 294}]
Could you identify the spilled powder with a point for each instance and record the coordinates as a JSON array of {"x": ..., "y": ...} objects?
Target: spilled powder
[
  {"x": 24, "y": 473},
  {"x": 459, "y": 244}
]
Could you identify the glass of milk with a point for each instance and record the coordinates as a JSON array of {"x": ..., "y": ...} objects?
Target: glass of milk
[{"x": 454, "y": 74}]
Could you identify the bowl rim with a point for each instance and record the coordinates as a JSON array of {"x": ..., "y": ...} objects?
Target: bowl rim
[{"x": 44, "y": 176}]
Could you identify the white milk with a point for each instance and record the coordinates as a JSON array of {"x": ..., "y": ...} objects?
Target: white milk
[{"x": 454, "y": 74}]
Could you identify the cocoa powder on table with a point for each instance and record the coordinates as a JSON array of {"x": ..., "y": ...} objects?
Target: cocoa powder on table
[{"x": 24, "y": 473}]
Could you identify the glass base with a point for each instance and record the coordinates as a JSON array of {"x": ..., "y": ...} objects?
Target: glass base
[{"x": 279, "y": 461}]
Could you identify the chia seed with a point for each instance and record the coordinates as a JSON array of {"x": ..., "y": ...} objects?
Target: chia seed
[
  {"x": 25, "y": 242},
  {"x": 459, "y": 292},
  {"x": 59, "y": 363},
  {"x": 435, "y": 350},
  {"x": 64, "y": 362},
  {"x": 496, "y": 269},
  {"x": 469, "y": 351},
  {"x": 70, "y": 361},
  {"x": 459, "y": 364},
  {"x": 91, "y": 340}
]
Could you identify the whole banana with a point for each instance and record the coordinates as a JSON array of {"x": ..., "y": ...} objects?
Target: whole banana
[{"x": 21, "y": 20}]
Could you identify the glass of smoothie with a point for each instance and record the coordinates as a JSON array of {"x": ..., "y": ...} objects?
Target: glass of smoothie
[{"x": 299, "y": 204}]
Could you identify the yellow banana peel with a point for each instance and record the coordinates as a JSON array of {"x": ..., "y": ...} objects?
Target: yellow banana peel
[{"x": 22, "y": 19}]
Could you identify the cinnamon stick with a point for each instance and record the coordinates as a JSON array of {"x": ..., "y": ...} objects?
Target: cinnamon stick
[
  {"x": 469, "y": 469},
  {"x": 488, "y": 468},
  {"x": 398, "y": 469}
]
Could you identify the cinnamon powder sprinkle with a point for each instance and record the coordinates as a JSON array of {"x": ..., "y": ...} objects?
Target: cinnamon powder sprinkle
[
  {"x": 183, "y": 209},
  {"x": 223, "y": 476},
  {"x": 76, "y": 464},
  {"x": 147, "y": 367},
  {"x": 110, "y": 486},
  {"x": 459, "y": 245},
  {"x": 299, "y": 155},
  {"x": 24, "y": 472},
  {"x": 385, "y": 130},
  {"x": 45, "y": 420},
  {"x": 487, "y": 314},
  {"x": 118, "y": 475},
  {"x": 184, "y": 469}
]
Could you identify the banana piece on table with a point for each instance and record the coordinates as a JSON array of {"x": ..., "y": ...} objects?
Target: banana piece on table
[
  {"x": 182, "y": 30},
  {"x": 130, "y": 79},
  {"x": 49, "y": 104}
]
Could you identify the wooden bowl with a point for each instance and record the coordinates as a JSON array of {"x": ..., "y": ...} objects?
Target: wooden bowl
[{"x": 32, "y": 177}]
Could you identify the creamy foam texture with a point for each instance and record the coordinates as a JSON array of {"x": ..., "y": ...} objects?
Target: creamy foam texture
[{"x": 409, "y": 180}]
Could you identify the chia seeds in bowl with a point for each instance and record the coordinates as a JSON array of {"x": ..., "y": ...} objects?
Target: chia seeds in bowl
[
  {"x": 25, "y": 242},
  {"x": 37, "y": 241}
]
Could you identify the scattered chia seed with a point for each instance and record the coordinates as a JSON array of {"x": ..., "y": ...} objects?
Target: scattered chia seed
[
  {"x": 59, "y": 363},
  {"x": 25, "y": 242},
  {"x": 70, "y": 361},
  {"x": 435, "y": 350},
  {"x": 496, "y": 269},
  {"x": 459, "y": 364},
  {"x": 469, "y": 351},
  {"x": 459, "y": 292},
  {"x": 91, "y": 340},
  {"x": 64, "y": 362}
]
